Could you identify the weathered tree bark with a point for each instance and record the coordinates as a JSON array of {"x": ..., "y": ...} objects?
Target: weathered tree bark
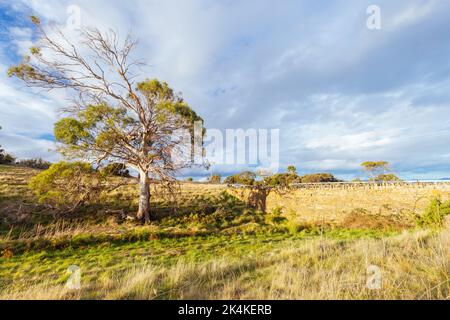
[{"x": 144, "y": 197}]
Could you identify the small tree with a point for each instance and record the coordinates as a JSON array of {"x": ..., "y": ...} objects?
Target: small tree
[
  {"x": 375, "y": 168},
  {"x": 115, "y": 118},
  {"x": 292, "y": 170}
]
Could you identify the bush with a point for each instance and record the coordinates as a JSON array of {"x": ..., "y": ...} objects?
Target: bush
[
  {"x": 68, "y": 185},
  {"x": 434, "y": 214},
  {"x": 245, "y": 178},
  {"x": 282, "y": 179},
  {"x": 386, "y": 178},
  {"x": 34, "y": 164},
  {"x": 318, "y": 177}
]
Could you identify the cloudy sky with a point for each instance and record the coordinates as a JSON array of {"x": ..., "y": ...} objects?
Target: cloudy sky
[{"x": 339, "y": 92}]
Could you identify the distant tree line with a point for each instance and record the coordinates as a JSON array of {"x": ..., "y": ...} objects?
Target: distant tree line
[
  {"x": 378, "y": 171},
  {"x": 280, "y": 179}
]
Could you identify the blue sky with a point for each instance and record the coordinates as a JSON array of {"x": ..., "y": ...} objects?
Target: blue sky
[{"x": 339, "y": 93}]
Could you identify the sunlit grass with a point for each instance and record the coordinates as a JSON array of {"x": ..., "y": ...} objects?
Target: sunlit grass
[{"x": 414, "y": 266}]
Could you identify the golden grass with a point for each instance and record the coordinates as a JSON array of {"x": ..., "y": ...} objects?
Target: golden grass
[{"x": 413, "y": 266}]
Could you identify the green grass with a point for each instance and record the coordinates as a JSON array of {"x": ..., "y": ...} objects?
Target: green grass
[
  {"x": 281, "y": 266},
  {"x": 102, "y": 259}
]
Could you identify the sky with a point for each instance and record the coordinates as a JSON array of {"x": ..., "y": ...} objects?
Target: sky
[{"x": 339, "y": 92}]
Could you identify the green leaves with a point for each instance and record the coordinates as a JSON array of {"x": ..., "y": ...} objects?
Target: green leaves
[
  {"x": 22, "y": 71},
  {"x": 35, "y": 20},
  {"x": 244, "y": 178},
  {"x": 35, "y": 51},
  {"x": 375, "y": 165},
  {"x": 166, "y": 102},
  {"x": 98, "y": 126},
  {"x": 434, "y": 214},
  {"x": 70, "y": 131},
  {"x": 64, "y": 183},
  {"x": 389, "y": 177}
]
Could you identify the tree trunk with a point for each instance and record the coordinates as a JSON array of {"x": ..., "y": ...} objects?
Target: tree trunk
[{"x": 144, "y": 197}]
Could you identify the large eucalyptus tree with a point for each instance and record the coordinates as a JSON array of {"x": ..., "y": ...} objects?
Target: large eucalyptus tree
[{"x": 117, "y": 115}]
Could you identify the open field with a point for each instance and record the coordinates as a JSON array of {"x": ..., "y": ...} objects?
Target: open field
[{"x": 215, "y": 246}]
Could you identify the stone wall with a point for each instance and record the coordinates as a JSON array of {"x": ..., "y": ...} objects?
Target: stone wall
[{"x": 333, "y": 202}]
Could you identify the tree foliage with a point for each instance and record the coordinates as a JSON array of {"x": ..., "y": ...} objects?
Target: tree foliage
[
  {"x": 388, "y": 177},
  {"x": 68, "y": 185},
  {"x": 375, "y": 168},
  {"x": 434, "y": 214},
  {"x": 318, "y": 178},
  {"x": 243, "y": 178},
  {"x": 292, "y": 170},
  {"x": 279, "y": 179},
  {"x": 282, "y": 179}
]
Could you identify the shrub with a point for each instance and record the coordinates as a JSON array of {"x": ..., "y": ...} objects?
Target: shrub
[
  {"x": 68, "y": 185},
  {"x": 245, "y": 178},
  {"x": 434, "y": 214},
  {"x": 282, "y": 179},
  {"x": 34, "y": 163},
  {"x": 318, "y": 177},
  {"x": 386, "y": 178}
]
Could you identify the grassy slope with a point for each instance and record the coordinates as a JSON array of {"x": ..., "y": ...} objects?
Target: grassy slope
[{"x": 130, "y": 262}]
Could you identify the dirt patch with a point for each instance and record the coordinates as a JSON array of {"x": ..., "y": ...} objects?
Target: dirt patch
[{"x": 358, "y": 219}]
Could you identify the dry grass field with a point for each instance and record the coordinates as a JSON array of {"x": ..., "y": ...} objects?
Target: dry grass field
[{"x": 208, "y": 243}]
